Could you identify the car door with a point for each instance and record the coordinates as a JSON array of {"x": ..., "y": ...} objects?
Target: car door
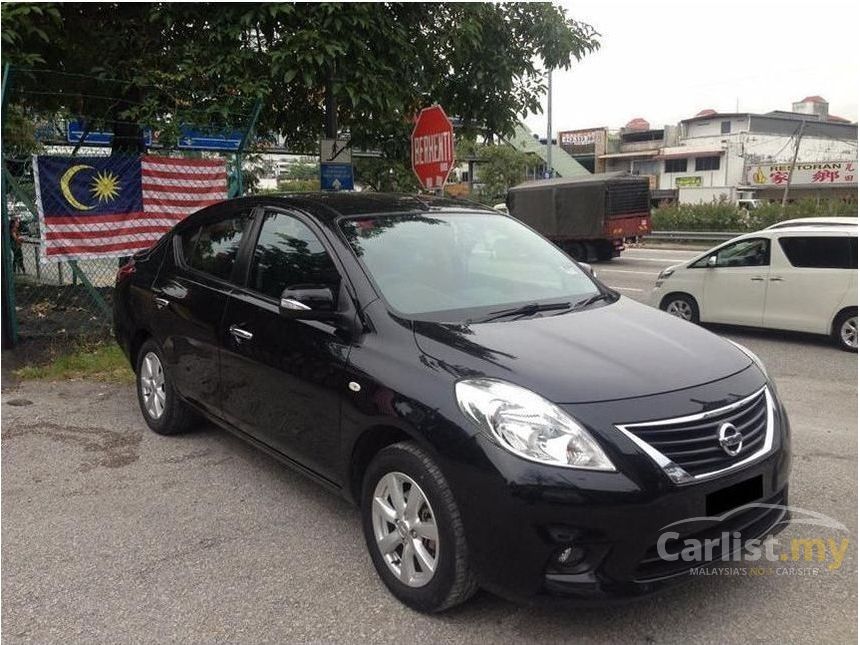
[
  {"x": 809, "y": 279},
  {"x": 190, "y": 296},
  {"x": 282, "y": 379},
  {"x": 735, "y": 283}
]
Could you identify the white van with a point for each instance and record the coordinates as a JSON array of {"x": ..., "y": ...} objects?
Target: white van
[{"x": 801, "y": 278}]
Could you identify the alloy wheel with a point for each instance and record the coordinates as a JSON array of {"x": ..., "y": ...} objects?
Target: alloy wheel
[
  {"x": 152, "y": 385},
  {"x": 848, "y": 332},
  {"x": 405, "y": 529},
  {"x": 681, "y": 309}
]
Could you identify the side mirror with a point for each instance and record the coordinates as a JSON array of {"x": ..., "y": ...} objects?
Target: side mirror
[
  {"x": 712, "y": 261},
  {"x": 308, "y": 302},
  {"x": 588, "y": 268}
]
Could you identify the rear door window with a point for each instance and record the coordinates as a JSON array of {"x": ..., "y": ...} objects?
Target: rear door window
[
  {"x": 213, "y": 247},
  {"x": 818, "y": 252}
]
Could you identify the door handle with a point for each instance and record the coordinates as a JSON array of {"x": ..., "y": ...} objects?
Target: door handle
[
  {"x": 776, "y": 279},
  {"x": 160, "y": 303},
  {"x": 240, "y": 334},
  {"x": 757, "y": 278}
]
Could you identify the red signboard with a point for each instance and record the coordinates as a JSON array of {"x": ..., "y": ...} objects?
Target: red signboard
[{"x": 432, "y": 147}]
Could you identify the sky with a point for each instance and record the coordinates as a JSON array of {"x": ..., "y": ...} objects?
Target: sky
[{"x": 664, "y": 60}]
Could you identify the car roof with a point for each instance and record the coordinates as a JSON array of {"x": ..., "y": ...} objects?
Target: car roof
[
  {"x": 815, "y": 221},
  {"x": 329, "y": 206},
  {"x": 810, "y": 229}
]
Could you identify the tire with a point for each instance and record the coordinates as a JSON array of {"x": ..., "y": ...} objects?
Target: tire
[
  {"x": 681, "y": 306},
  {"x": 161, "y": 408},
  {"x": 449, "y": 581},
  {"x": 845, "y": 330},
  {"x": 575, "y": 250},
  {"x": 604, "y": 251}
]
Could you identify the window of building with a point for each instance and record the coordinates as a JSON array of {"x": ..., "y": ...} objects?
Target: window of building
[
  {"x": 213, "y": 248},
  {"x": 707, "y": 163},
  {"x": 820, "y": 252},
  {"x": 676, "y": 165},
  {"x": 725, "y": 127},
  {"x": 289, "y": 254}
]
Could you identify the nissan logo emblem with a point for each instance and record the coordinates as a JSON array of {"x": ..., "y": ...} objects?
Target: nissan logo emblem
[{"x": 731, "y": 440}]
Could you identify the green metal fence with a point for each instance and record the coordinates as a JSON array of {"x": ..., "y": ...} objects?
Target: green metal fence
[{"x": 41, "y": 296}]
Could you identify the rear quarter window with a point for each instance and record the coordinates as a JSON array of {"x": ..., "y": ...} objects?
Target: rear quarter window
[
  {"x": 818, "y": 252},
  {"x": 212, "y": 248}
]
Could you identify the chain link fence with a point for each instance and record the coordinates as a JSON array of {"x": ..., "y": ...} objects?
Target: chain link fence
[{"x": 106, "y": 185}]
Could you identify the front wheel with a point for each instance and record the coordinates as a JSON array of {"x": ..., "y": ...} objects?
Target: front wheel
[
  {"x": 682, "y": 306},
  {"x": 413, "y": 530},
  {"x": 845, "y": 330}
]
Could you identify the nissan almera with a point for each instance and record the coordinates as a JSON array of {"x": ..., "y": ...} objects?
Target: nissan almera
[{"x": 502, "y": 419}]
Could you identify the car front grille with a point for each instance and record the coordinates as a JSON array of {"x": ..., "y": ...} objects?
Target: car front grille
[{"x": 689, "y": 448}]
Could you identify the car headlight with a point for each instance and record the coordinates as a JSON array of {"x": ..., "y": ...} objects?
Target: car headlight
[
  {"x": 751, "y": 355},
  {"x": 528, "y": 425},
  {"x": 665, "y": 273}
]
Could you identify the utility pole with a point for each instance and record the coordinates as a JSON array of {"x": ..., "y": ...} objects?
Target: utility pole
[
  {"x": 330, "y": 105},
  {"x": 793, "y": 163},
  {"x": 549, "y": 125}
]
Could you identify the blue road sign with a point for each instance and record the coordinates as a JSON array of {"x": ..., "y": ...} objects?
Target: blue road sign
[
  {"x": 191, "y": 139},
  {"x": 336, "y": 176},
  {"x": 75, "y": 130}
]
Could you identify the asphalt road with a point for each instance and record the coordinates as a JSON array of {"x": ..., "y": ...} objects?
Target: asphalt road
[{"x": 113, "y": 534}]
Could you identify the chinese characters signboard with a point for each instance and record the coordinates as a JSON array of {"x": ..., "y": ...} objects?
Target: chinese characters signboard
[
  {"x": 816, "y": 173},
  {"x": 688, "y": 182},
  {"x": 577, "y": 142}
]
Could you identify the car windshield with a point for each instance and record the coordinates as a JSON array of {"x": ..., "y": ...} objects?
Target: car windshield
[{"x": 461, "y": 266}]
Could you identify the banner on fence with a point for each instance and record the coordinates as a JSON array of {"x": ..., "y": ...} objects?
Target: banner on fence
[{"x": 97, "y": 207}]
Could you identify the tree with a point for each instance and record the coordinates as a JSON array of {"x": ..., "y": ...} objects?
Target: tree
[
  {"x": 386, "y": 175},
  {"x": 302, "y": 171},
  {"x": 205, "y": 63},
  {"x": 502, "y": 167}
]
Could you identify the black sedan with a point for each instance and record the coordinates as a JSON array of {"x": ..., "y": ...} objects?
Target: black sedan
[{"x": 502, "y": 418}]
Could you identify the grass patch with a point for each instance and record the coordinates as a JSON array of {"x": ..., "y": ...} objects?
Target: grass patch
[{"x": 100, "y": 362}]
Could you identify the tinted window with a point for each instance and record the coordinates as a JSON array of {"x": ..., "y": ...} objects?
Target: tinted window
[
  {"x": 451, "y": 266},
  {"x": 289, "y": 254},
  {"x": 746, "y": 253},
  {"x": 707, "y": 163},
  {"x": 676, "y": 165},
  {"x": 821, "y": 252},
  {"x": 213, "y": 248},
  {"x": 725, "y": 127}
]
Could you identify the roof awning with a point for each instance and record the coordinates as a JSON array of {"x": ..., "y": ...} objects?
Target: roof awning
[
  {"x": 640, "y": 153},
  {"x": 676, "y": 152}
]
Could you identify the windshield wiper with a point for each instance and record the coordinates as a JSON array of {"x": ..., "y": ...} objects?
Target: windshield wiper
[
  {"x": 525, "y": 310},
  {"x": 597, "y": 297}
]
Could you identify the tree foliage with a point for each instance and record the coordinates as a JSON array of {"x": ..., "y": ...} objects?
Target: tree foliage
[
  {"x": 502, "y": 167},
  {"x": 206, "y": 63}
]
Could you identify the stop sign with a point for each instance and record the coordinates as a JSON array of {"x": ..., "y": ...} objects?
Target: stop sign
[{"x": 432, "y": 147}]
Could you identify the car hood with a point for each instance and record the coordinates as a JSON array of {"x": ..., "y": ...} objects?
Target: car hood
[{"x": 613, "y": 351}]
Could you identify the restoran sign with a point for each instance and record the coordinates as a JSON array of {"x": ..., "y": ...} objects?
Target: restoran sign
[{"x": 814, "y": 173}]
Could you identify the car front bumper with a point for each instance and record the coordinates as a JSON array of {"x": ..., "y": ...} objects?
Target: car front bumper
[{"x": 520, "y": 517}]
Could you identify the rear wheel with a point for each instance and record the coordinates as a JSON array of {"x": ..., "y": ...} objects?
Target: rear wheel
[
  {"x": 575, "y": 250},
  {"x": 845, "y": 330},
  {"x": 162, "y": 410},
  {"x": 682, "y": 306},
  {"x": 413, "y": 530}
]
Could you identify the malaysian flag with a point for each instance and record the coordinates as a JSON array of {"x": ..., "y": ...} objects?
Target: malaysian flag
[{"x": 97, "y": 207}]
